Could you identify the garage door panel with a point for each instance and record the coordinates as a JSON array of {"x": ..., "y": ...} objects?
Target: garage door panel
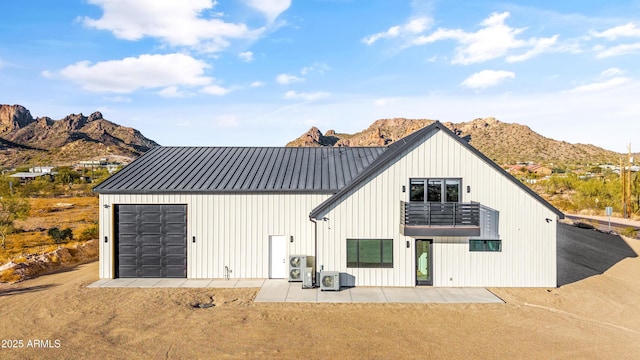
[
  {"x": 151, "y": 260},
  {"x": 150, "y": 250},
  {"x": 128, "y": 271},
  {"x": 150, "y": 271},
  {"x": 128, "y": 260},
  {"x": 151, "y": 217},
  {"x": 151, "y": 240},
  {"x": 128, "y": 250},
  {"x": 150, "y": 228},
  {"x": 173, "y": 261},
  {"x": 174, "y": 250},
  {"x": 128, "y": 228},
  {"x": 175, "y": 228},
  {"x": 128, "y": 240}
]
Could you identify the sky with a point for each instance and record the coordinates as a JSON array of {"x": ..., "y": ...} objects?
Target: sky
[{"x": 262, "y": 72}]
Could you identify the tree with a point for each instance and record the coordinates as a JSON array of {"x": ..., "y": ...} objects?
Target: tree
[{"x": 12, "y": 208}]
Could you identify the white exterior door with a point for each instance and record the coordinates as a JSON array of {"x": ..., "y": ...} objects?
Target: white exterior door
[{"x": 278, "y": 254}]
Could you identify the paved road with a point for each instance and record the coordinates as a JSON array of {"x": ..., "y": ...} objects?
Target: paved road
[
  {"x": 583, "y": 253},
  {"x": 618, "y": 225}
]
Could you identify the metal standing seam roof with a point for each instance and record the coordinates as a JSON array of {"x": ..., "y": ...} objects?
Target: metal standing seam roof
[{"x": 242, "y": 169}]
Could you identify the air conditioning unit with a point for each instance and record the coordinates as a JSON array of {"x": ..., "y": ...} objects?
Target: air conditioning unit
[
  {"x": 307, "y": 278},
  {"x": 330, "y": 280},
  {"x": 296, "y": 264}
]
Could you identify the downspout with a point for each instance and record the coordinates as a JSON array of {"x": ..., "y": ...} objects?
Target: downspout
[{"x": 315, "y": 251}]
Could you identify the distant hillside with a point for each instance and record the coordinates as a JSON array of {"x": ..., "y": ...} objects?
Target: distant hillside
[
  {"x": 502, "y": 142},
  {"x": 25, "y": 140}
]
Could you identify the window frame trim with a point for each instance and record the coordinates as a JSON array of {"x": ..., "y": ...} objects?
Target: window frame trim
[
  {"x": 443, "y": 189},
  {"x": 485, "y": 248},
  {"x": 380, "y": 265}
]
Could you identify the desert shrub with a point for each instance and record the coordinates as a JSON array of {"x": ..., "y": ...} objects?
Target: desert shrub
[
  {"x": 629, "y": 232},
  {"x": 59, "y": 236},
  {"x": 9, "y": 276},
  {"x": 89, "y": 233}
]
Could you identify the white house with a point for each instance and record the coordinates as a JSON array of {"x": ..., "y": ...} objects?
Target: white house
[{"x": 428, "y": 209}]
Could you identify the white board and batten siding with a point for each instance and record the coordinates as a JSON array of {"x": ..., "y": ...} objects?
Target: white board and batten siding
[
  {"x": 372, "y": 211},
  {"x": 230, "y": 229}
]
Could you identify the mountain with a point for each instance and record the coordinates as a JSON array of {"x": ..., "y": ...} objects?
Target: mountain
[
  {"x": 502, "y": 142},
  {"x": 25, "y": 140}
]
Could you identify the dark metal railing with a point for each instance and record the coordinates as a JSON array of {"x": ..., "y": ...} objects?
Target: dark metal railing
[{"x": 439, "y": 214}]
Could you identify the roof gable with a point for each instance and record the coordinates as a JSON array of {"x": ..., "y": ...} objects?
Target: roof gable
[{"x": 410, "y": 141}]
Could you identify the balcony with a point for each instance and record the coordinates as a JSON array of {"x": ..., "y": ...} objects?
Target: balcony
[{"x": 439, "y": 219}]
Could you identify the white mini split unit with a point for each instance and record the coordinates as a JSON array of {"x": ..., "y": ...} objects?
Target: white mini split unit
[
  {"x": 329, "y": 280},
  {"x": 297, "y": 263},
  {"x": 307, "y": 278}
]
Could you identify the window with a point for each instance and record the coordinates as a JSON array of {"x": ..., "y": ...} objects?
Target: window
[
  {"x": 369, "y": 253},
  {"x": 485, "y": 245},
  {"x": 437, "y": 190}
]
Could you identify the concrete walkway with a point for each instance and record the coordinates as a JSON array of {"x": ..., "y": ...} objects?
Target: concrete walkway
[{"x": 284, "y": 291}]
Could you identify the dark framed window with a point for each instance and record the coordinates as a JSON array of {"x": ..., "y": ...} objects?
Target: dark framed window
[
  {"x": 485, "y": 245},
  {"x": 369, "y": 253},
  {"x": 437, "y": 190}
]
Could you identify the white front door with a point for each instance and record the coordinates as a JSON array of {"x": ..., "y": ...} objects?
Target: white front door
[{"x": 278, "y": 256}]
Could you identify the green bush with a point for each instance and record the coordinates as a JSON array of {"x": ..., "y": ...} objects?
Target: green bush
[
  {"x": 59, "y": 236},
  {"x": 89, "y": 233}
]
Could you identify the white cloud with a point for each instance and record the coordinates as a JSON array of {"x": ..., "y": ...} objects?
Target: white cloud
[
  {"x": 171, "y": 92},
  {"x": 215, "y": 90},
  {"x": 246, "y": 56},
  {"x": 612, "y": 72},
  {"x": 177, "y": 23},
  {"x": 414, "y": 26},
  {"x": 293, "y": 95},
  {"x": 604, "y": 85},
  {"x": 487, "y": 78},
  {"x": 119, "y": 99},
  {"x": 133, "y": 73},
  {"x": 315, "y": 67},
  {"x": 256, "y": 84},
  {"x": 539, "y": 46},
  {"x": 495, "y": 39},
  {"x": 626, "y": 30},
  {"x": 618, "y": 50},
  {"x": 270, "y": 8},
  {"x": 286, "y": 79}
]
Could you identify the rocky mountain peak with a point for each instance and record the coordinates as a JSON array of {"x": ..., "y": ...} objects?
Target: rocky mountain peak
[
  {"x": 505, "y": 143},
  {"x": 74, "y": 137},
  {"x": 13, "y": 117}
]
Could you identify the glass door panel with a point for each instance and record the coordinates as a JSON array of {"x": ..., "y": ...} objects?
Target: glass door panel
[
  {"x": 452, "y": 190},
  {"x": 434, "y": 190},
  {"x": 423, "y": 262},
  {"x": 416, "y": 190}
]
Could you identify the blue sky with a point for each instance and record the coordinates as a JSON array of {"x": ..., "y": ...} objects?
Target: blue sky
[{"x": 262, "y": 72}]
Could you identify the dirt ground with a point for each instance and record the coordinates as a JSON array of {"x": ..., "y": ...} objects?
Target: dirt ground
[{"x": 595, "y": 318}]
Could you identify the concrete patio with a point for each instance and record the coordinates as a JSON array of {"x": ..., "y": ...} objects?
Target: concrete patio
[{"x": 284, "y": 291}]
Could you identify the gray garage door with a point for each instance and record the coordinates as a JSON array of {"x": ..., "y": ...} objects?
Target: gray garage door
[{"x": 151, "y": 241}]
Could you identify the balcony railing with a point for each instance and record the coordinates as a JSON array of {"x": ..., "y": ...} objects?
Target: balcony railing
[{"x": 442, "y": 219}]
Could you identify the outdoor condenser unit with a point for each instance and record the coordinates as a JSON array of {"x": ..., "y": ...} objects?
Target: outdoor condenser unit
[
  {"x": 296, "y": 264},
  {"x": 330, "y": 280},
  {"x": 307, "y": 278}
]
